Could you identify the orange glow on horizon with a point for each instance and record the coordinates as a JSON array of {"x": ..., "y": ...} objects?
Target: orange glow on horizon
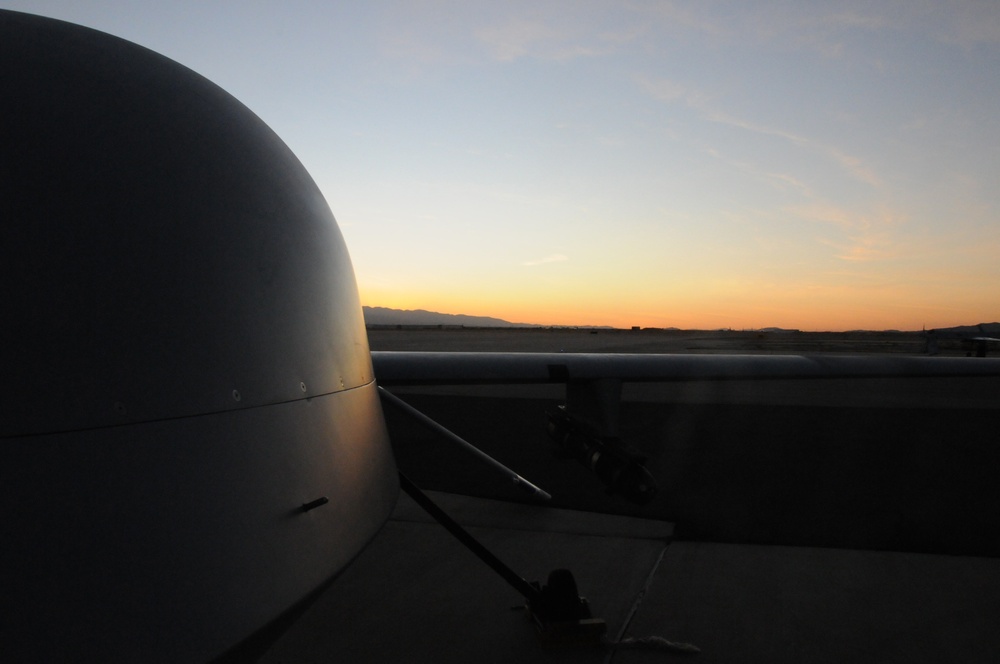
[
  {"x": 624, "y": 293},
  {"x": 702, "y": 316}
]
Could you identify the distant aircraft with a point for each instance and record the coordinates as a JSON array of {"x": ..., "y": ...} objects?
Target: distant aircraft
[
  {"x": 193, "y": 442},
  {"x": 971, "y": 342}
]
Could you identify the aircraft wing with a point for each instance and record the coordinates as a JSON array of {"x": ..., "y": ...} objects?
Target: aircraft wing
[
  {"x": 464, "y": 368},
  {"x": 876, "y": 398},
  {"x": 595, "y": 425}
]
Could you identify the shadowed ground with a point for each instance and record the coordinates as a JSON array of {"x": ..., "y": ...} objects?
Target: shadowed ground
[{"x": 555, "y": 340}]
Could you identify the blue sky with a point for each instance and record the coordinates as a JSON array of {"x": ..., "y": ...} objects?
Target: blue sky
[{"x": 814, "y": 165}]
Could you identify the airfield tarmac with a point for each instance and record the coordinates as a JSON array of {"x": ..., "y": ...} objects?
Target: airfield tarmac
[
  {"x": 839, "y": 520},
  {"x": 602, "y": 340}
]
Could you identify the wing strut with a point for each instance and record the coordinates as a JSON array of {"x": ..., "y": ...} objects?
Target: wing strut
[
  {"x": 528, "y": 591},
  {"x": 532, "y": 489},
  {"x": 558, "y": 612}
]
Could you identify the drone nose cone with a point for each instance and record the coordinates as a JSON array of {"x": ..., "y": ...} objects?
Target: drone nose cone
[
  {"x": 163, "y": 249},
  {"x": 185, "y": 363}
]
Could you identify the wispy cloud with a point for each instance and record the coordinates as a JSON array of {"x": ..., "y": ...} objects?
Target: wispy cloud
[
  {"x": 866, "y": 237},
  {"x": 967, "y": 24},
  {"x": 515, "y": 38},
  {"x": 540, "y": 37},
  {"x": 672, "y": 18},
  {"x": 673, "y": 92},
  {"x": 865, "y": 247},
  {"x": 854, "y": 166},
  {"x": 827, "y": 34},
  {"x": 551, "y": 258},
  {"x": 667, "y": 90},
  {"x": 782, "y": 26},
  {"x": 782, "y": 181}
]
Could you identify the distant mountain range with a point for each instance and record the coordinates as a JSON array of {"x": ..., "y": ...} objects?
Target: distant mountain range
[
  {"x": 375, "y": 316},
  {"x": 983, "y": 330},
  {"x": 384, "y": 316}
]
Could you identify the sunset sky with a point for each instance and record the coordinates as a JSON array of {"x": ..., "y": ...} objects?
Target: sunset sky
[{"x": 811, "y": 165}]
